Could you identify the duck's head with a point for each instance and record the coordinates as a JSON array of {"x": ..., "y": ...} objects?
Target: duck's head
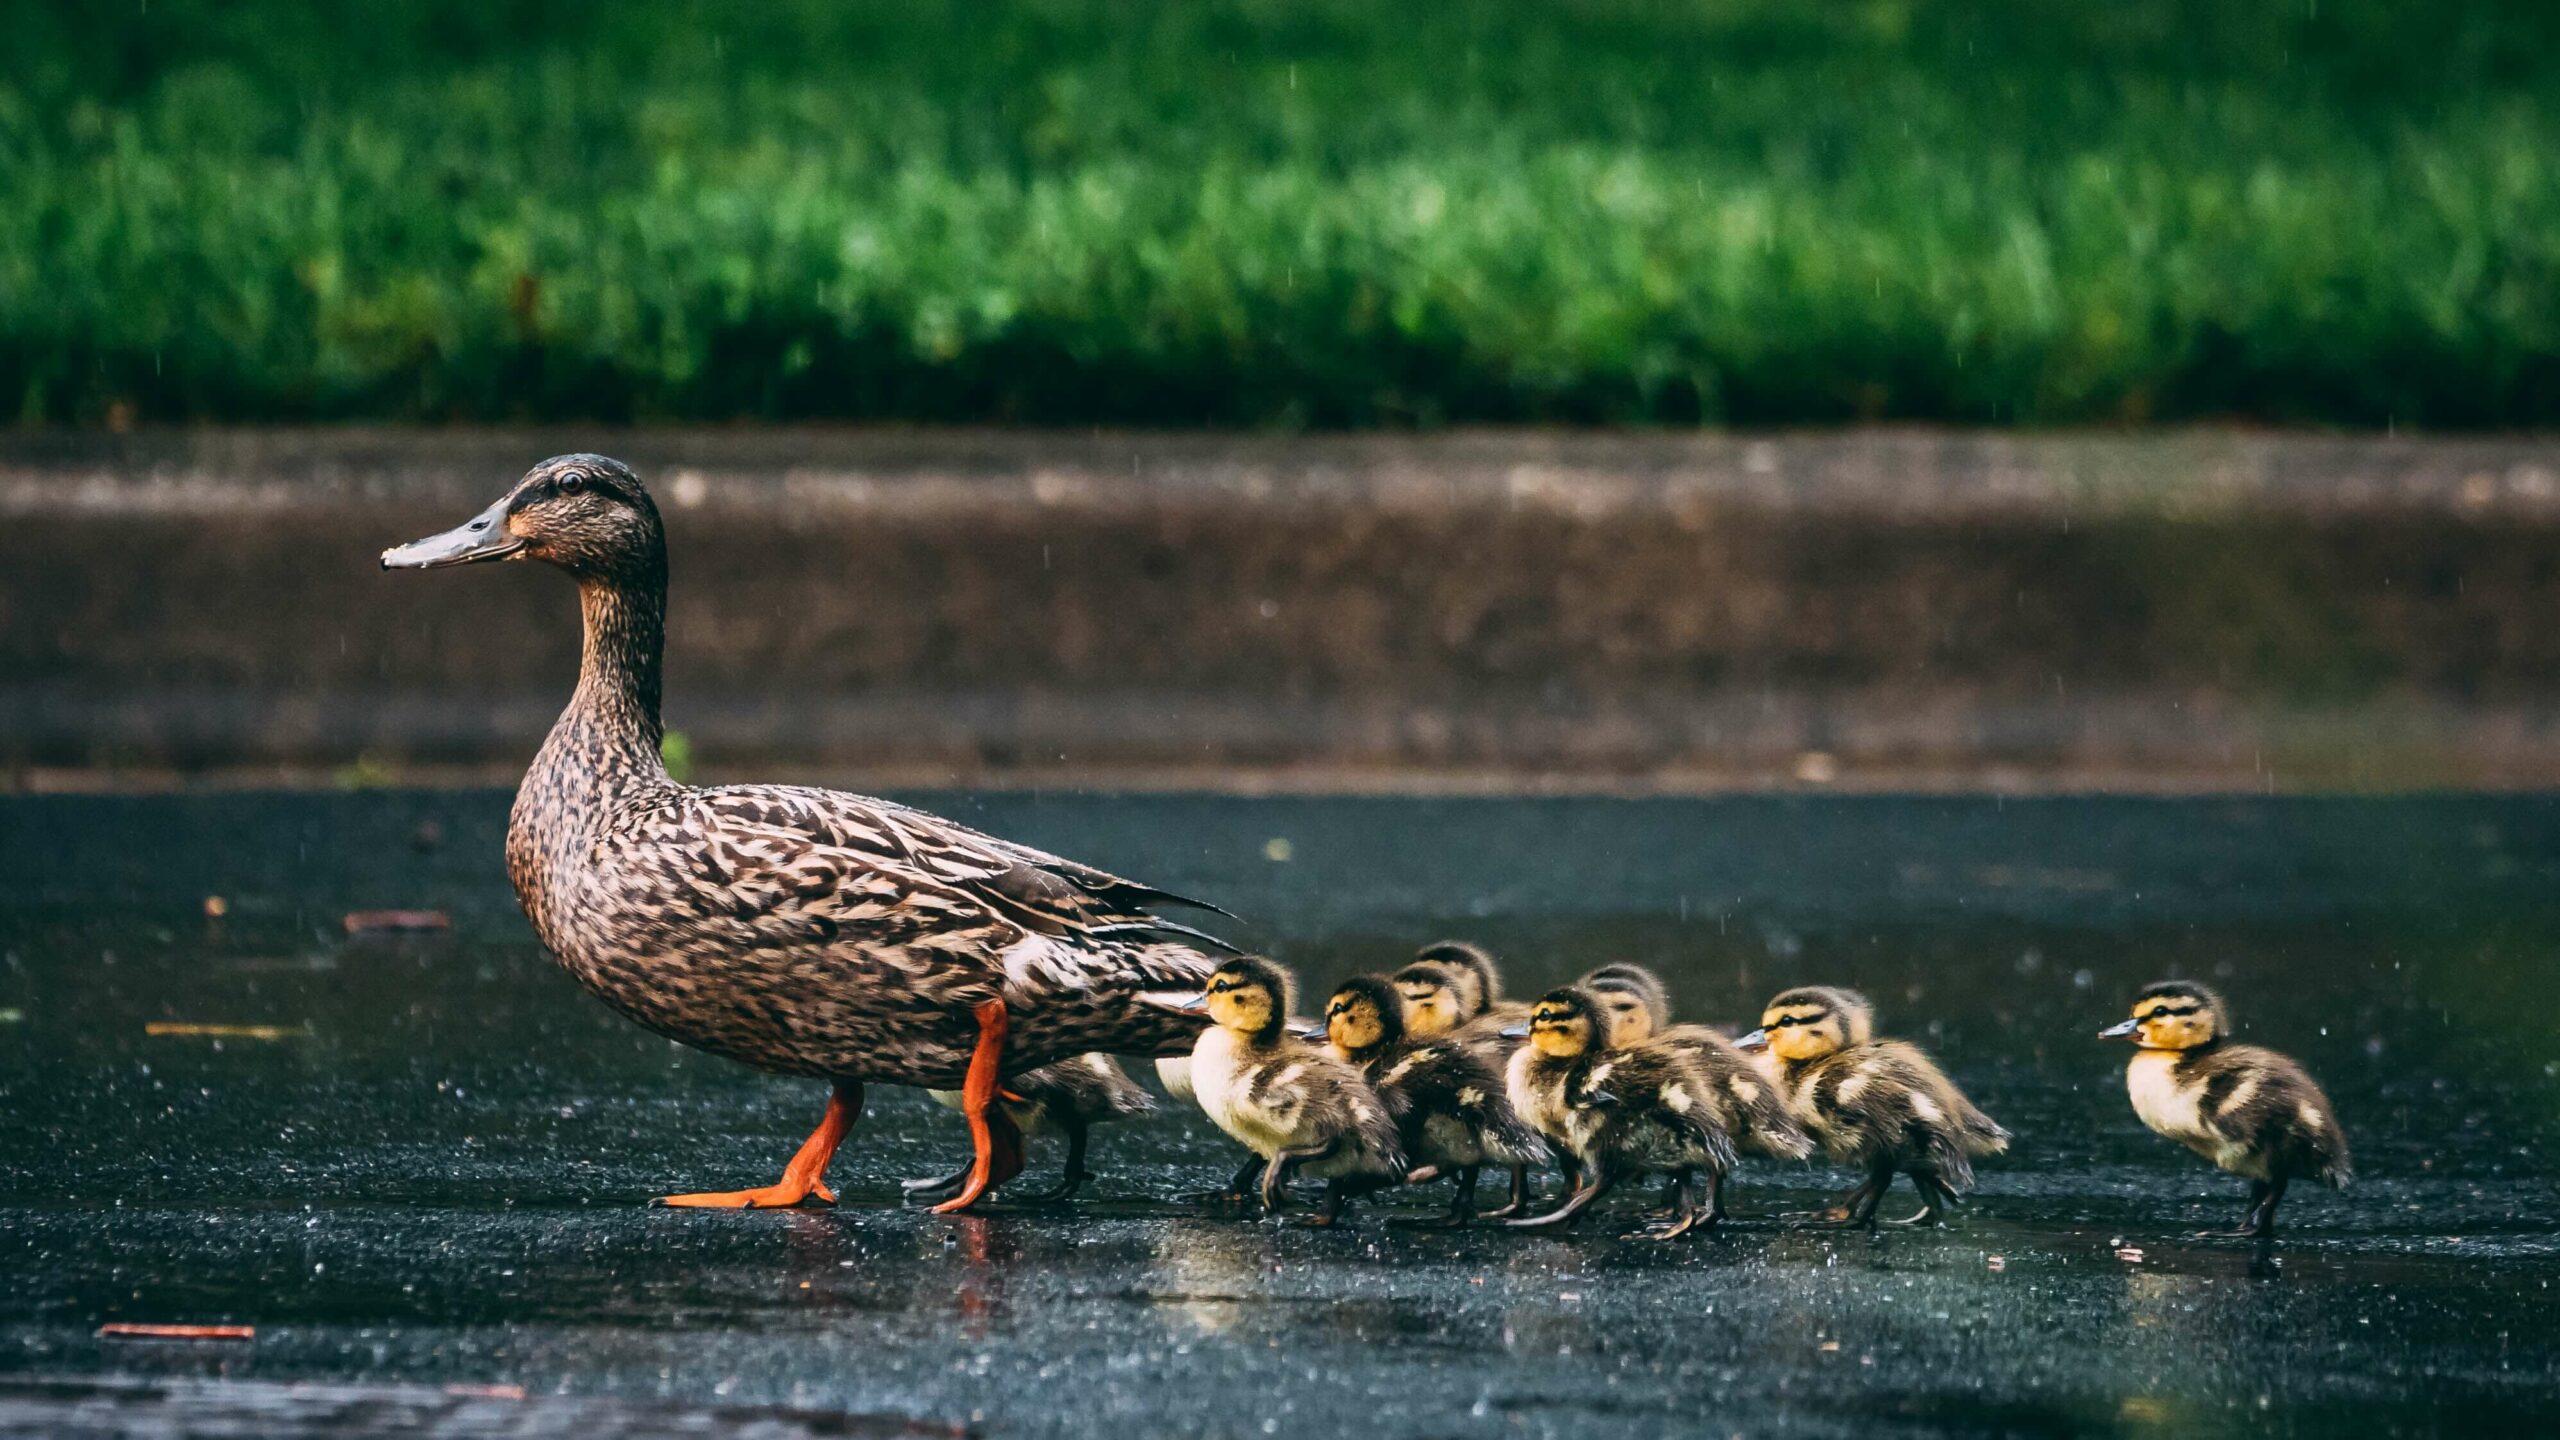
[
  {"x": 1473, "y": 965},
  {"x": 1436, "y": 1000},
  {"x": 1567, "y": 1023},
  {"x": 1812, "y": 1021},
  {"x": 1364, "y": 1014},
  {"x": 587, "y": 514},
  {"x": 1250, "y": 996},
  {"x": 1634, "y": 999},
  {"x": 2172, "y": 1015}
]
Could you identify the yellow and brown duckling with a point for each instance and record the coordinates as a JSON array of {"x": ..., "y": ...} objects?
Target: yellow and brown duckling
[
  {"x": 1637, "y": 1006},
  {"x": 1480, "y": 975},
  {"x": 1443, "y": 1000},
  {"x": 1617, "y": 1114},
  {"x": 2249, "y": 1110},
  {"x": 1066, "y": 1099},
  {"x": 1452, "y": 1110},
  {"x": 1298, "y": 1107},
  {"x": 1879, "y": 1105}
]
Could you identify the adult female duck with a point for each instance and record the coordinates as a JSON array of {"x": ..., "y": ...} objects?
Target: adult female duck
[{"x": 801, "y": 931}]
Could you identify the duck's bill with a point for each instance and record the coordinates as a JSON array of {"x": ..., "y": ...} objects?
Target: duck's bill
[
  {"x": 1177, "y": 1004},
  {"x": 1756, "y": 1041},
  {"x": 482, "y": 537},
  {"x": 2117, "y": 1032}
]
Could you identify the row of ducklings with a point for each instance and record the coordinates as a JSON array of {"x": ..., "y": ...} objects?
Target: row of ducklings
[{"x": 1432, "y": 1073}]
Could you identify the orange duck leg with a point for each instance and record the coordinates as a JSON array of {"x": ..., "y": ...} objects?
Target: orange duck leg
[
  {"x": 805, "y": 1176},
  {"x": 992, "y": 1136}
]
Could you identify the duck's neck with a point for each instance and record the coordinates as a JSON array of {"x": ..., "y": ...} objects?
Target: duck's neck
[{"x": 618, "y": 684}]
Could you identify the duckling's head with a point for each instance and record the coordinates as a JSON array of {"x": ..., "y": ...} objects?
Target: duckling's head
[
  {"x": 587, "y": 514},
  {"x": 1812, "y": 1021},
  {"x": 1567, "y": 1023},
  {"x": 1364, "y": 1014},
  {"x": 1472, "y": 964},
  {"x": 2173, "y": 1015},
  {"x": 1250, "y": 995},
  {"x": 1436, "y": 1001},
  {"x": 1623, "y": 988},
  {"x": 1626, "y": 1011}
]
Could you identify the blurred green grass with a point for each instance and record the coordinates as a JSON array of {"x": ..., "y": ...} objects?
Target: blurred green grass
[{"x": 1315, "y": 213}]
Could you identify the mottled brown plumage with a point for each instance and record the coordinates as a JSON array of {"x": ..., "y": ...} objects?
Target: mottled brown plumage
[
  {"x": 797, "y": 930},
  {"x": 2247, "y": 1109},
  {"x": 1637, "y": 1006},
  {"x": 1619, "y": 1112},
  {"x": 1878, "y": 1105}
]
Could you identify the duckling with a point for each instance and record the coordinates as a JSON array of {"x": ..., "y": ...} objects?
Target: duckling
[
  {"x": 1637, "y": 1007},
  {"x": 1877, "y": 1104},
  {"x": 1444, "y": 1000},
  {"x": 1297, "y": 1107},
  {"x": 1616, "y": 1113},
  {"x": 1475, "y": 967},
  {"x": 1453, "y": 1112},
  {"x": 2247, "y": 1109},
  {"x": 1068, "y": 1098}
]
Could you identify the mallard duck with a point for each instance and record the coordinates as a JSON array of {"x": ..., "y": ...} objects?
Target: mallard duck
[
  {"x": 1616, "y": 1113},
  {"x": 2247, "y": 1109},
  {"x": 1480, "y": 975},
  {"x": 1066, "y": 1099},
  {"x": 1879, "y": 1105},
  {"x": 1453, "y": 1113},
  {"x": 797, "y": 930},
  {"x": 1297, "y": 1107},
  {"x": 1637, "y": 1006}
]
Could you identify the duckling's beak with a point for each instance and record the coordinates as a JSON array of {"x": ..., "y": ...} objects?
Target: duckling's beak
[
  {"x": 2118, "y": 1032},
  {"x": 1514, "y": 1032},
  {"x": 1309, "y": 1030},
  {"x": 1756, "y": 1041},
  {"x": 482, "y": 537},
  {"x": 1178, "y": 1004}
]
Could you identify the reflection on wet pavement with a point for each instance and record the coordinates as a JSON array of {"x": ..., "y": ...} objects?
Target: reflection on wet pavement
[{"x": 415, "y": 1161}]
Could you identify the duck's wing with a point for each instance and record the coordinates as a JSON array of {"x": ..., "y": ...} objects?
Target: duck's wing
[
  {"x": 1133, "y": 895},
  {"x": 824, "y": 855}
]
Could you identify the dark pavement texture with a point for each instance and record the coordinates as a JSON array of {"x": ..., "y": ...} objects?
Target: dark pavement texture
[{"x": 431, "y": 1189}]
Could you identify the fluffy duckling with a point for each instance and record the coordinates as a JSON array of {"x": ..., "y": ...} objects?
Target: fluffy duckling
[
  {"x": 1637, "y": 1007},
  {"x": 1453, "y": 1113},
  {"x": 1477, "y": 970},
  {"x": 1300, "y": 1109},
  {"x": 1880, "y": 1105},
  {"x": 1618, "y": 1113},
  {"x": 2247, "y": 1109},
  {"x": 1444, "y": 1000},
  {"x": 1067, "y": 1099}
]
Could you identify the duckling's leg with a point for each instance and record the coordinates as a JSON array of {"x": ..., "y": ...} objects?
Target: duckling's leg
[
  {"x": 1244, "y": 1187},
  {"x": 1715, "y": 1197},
  {"x": 1073, "y": 1181},
  {"x": 1935, "y": 1199},
  {"x": 1519, "y": 1201},
  {"x": 1462, "y": 1205},
  {"x": 1283, "y": 1166},
  {"x": 805, "y": 1175},
  {"x": 2260, "y": 1222},
  {"x": 1581, "y": 1199},
  {"x": 1858, "y": 1207},
  {"x": 992, "y": 1136},
  {"x": 1686, "y": 1213}
]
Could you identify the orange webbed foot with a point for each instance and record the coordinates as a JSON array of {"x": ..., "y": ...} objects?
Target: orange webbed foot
[{"x": 768, "y": 1197}]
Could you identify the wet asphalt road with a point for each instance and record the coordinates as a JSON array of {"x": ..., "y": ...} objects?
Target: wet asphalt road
[{"x": 426, "y": 1195}]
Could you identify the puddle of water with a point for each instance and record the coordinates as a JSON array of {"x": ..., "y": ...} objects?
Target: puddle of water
[{"x": 416, "y": 1160}]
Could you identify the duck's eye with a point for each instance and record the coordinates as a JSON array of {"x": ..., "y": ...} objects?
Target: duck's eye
[{"x": 572, "y": 481}]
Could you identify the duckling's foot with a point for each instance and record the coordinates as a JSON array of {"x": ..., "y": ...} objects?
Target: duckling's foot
[
  {"x": 1241, "y": 1191},
  {"x": 1674, "y": 1228},
  {"x": 936, "y": 1190},
  {"x": 801, "y": 1179},
  {"x": 1518, "y": 1204},
  {"x": 1927, "y": 1215}
]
